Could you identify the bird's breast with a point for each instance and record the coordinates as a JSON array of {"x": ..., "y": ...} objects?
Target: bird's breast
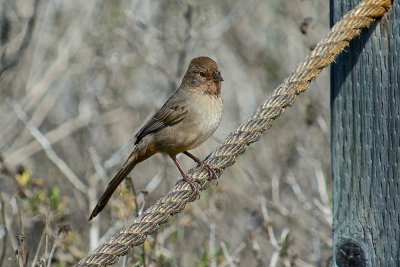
[
  {"x": 202, "y": 119},
  {"x": 207, "y": 114}
]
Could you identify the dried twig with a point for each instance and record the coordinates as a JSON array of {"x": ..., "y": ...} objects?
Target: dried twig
[
  {"x": 24, "y": 44},
  {"x": 10, "y": 234},
  {"x": 52, "y": 155}
]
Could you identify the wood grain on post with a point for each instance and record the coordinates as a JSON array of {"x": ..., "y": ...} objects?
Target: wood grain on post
[{"x": 365, "y": 102}]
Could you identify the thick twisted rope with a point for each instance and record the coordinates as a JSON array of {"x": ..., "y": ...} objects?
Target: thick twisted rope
[{"x": 249, "y": 132}]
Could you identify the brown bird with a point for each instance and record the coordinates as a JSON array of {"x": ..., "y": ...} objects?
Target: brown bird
[{"x": 184, "y": 122}]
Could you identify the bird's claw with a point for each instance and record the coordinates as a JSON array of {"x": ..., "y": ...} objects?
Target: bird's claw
[
  {"x": 193, "y": 184},
  {"x": 211, "y": 171}
]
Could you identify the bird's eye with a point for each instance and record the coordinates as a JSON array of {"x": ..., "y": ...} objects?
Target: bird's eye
[{"x": 202, "y": 74}]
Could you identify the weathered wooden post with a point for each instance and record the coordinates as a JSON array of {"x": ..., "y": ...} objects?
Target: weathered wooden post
[{"x": 365, "y": 106}]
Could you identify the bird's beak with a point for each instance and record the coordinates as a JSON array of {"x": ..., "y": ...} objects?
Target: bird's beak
[{"x": 217, "y": 76}]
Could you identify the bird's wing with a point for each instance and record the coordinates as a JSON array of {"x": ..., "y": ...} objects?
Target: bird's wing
[{"x": 171, "y": 113}]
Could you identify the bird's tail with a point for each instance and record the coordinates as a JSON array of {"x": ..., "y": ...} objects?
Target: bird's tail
[
  {"x": 139, "y": 154},
  {"x": 111, "y": 188}
]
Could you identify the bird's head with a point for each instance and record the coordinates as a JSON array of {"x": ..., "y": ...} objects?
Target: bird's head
[{"x": 204, "y": 74}]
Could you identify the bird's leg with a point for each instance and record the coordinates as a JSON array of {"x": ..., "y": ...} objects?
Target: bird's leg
[
  {"x": 206, "y": 166},
  {"x": 190, "y": 181}
]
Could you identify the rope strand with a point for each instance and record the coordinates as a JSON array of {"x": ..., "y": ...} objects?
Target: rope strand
[{"x": 249, "y": 132}]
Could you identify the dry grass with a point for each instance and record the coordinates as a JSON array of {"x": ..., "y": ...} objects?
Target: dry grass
[{"x": 91, "y": 73}]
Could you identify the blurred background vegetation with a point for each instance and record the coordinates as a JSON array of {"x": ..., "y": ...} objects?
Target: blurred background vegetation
[{"x": 78, "y": 79}]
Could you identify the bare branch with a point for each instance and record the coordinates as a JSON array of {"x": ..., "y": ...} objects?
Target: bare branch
[
  {"x": 51, "y": 154},
  {"x": 25, "y": 42}
]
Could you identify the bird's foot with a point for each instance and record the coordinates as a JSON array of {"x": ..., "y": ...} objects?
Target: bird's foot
[
  {"x": 211, "y": 171},
  {"x": 193, "y": 184}
]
